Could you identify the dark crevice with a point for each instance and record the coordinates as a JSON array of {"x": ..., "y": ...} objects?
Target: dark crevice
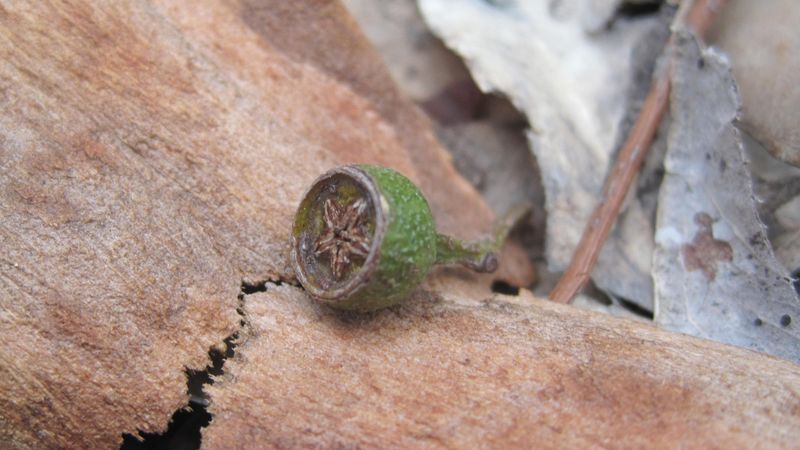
[
  {"x": 183, "y": 432},
  {"x": 200, "y": 378},
  {"x": 638, "y": 9},
  {"x": 635, "y": 308},
  {"x": 261, "y": 286},
  {"x": 796, "y": 280},
  {"x": 184, "y": 429},
  {"x": 598, "y": 294},
  {"x": 505, "y": 288},
  {"x": 248, "y": 288},
  {"x": 609, "y": 299}
]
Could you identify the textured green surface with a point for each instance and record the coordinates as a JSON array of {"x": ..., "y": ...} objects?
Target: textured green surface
[{"x": 409, "y": 246}]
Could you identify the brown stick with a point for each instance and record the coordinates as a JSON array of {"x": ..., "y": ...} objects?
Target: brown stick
[{"x": 626, "y": 167}]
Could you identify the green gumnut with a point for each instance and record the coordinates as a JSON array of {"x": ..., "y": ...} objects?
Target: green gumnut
[{"x": 364, "y": 238}]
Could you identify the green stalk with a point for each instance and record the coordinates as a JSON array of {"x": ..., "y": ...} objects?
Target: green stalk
[{"x": 480, "y": 256}]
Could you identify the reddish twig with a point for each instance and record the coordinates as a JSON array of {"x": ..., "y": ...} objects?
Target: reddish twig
[{"x": 626, "y": 167}]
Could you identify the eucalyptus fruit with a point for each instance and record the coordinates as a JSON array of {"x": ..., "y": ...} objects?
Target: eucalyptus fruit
[{"x": 364, "y": 238}]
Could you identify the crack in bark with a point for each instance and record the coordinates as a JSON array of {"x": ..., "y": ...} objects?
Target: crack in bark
[{"x": 184, "y": 427}]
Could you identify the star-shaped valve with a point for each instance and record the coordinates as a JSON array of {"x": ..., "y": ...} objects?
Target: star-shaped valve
[{"x": 344, "y": 234}]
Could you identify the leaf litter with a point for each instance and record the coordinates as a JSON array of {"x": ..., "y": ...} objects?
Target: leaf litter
[
  {"x": 576, "y": 85},
  {"x": 578, "y": 71}
]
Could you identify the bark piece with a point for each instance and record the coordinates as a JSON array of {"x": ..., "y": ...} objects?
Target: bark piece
[
  {"x": 504, "y": 372},
  {"x": 152, "y": 157}
]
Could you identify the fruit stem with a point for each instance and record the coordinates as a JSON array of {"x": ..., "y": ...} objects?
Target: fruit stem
[{"x": 480, "y": 256}]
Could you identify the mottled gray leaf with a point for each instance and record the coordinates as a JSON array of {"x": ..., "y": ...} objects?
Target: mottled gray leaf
[{"x": 714, "y": 270}]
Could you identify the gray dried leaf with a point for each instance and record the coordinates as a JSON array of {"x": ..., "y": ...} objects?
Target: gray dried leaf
[
  {"x": 575, "y": 89},
  {"x": 714, "y": 270}
]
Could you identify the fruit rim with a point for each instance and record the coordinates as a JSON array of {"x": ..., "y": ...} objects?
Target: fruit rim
[{"x": 361, "y": 278}]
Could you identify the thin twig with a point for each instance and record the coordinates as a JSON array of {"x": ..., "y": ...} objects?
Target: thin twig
[{"x": 626, "y": 167}]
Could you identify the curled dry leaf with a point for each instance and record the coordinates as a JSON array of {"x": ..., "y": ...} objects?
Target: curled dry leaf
[
  {"x": 714, "y": 269},
  {"x": 575, "y": 89}
]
